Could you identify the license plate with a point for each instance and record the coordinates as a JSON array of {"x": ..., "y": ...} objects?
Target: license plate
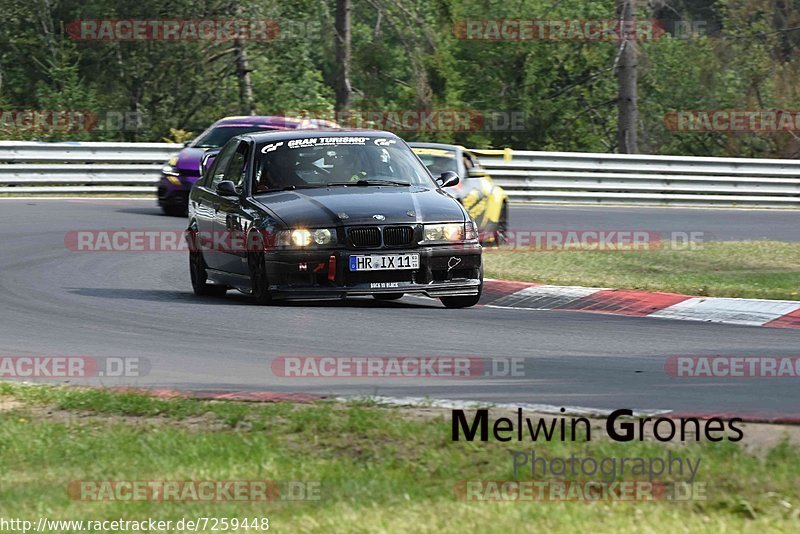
[{"x": 384, "y": 262}]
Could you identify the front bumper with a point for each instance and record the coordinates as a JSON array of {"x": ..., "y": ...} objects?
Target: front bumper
[
  {"x": 450, "y": 270},
  {"x": 170, "y": 194}
]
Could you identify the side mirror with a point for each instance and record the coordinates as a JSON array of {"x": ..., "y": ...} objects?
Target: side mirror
[
  {"x": 226, "y": 189},
  {"x": 448, "y": 179},
  {"x": 206, "y": 162}
]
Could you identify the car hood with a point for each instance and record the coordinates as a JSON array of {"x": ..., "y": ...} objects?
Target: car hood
[
  {"x": 189, "y": 160},
  {"x": 316, "y": 208}
]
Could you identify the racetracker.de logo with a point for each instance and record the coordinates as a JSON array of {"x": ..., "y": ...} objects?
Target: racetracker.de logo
[
  {"x": 577, "y": 490},
  {"x": 600, "y": 240},
  {"x": 44, "y": 120},
  {"x": 166, "y": 241},
  {"x": 194, "y": 490},
  {"x": 132, "y": 30},
  {"x": 732, "y": 120},
  {"x": 71, "y": 367},
  {"x": 733, "y": 366},
  {"x": 396, "y": 367},
  {"x": 68, "y": 121},
  {"x": 417, "y": 120},
  {"x": 559, "y": 30}
]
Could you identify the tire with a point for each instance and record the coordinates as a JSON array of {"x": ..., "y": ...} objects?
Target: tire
[
  {"x": 200, "y": 285},
  {"x": 464, "y": 302},
  {"x": 175, "y": 211},
  {"x": 258, "y": 278},
  {"x": 501, "y": 234},
  {"x": 460, "y": 302},
  {"x": 388, "y": 296}
]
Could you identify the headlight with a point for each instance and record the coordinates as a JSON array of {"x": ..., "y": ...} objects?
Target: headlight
[
  {"x": 301, "y": 237},
  {"x": 322, "y": 236},
  {"x": 444, "y": 232},
  {"x": 171, "y": 171},
  {"x": 171, "y": 166}
]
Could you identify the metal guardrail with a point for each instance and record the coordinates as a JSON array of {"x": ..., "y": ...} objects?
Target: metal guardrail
[
  {"x": 543, "y": 177},
  {"x": 568, "y": 177},
  {"x": 30, "y": 168}
]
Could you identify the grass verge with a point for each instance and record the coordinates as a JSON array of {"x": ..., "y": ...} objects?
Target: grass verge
[
  {"x": 380, "y": 469},
  {"x": 750, "y": 269}
]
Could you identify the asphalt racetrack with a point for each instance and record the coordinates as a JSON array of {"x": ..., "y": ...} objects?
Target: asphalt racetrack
[
  {"x": 709, "y": 224},
  {"x": 54, "y": 301}
]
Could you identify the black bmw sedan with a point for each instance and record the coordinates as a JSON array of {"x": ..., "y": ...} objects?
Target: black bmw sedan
[{"x": 326, "y": 215}]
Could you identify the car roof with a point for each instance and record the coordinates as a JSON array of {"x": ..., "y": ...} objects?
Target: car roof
[
  {"x": 442, "y": 146},
  {"x": 264, "y": 121},
  {"x": 255, "y": 119},
  {"x": 282, "y": 135},
  {"x": 274, "y": 121}
]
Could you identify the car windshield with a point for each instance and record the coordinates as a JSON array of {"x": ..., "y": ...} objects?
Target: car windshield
[
  {"x": 438, "y": 160},
  {"x": 216, "y": 137},
  {"x": 334, "y": 161}
]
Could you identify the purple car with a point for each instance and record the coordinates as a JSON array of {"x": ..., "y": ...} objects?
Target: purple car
[{"x": 183, "y": 169}]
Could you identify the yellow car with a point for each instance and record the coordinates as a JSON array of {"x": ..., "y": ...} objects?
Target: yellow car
[{"x": 485, "y": 201}]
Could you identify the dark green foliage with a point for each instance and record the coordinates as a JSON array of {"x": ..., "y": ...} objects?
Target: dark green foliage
[{"x": 406, "y": 57}]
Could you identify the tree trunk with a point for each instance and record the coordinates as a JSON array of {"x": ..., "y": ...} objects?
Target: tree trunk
[
  {"x": 627, "y": 106},
  {"x": 45, "y": 11},
  {"x": 136, "y": 95},
  {"x": 343, "y": 60},
  {"x": 246, "y": 103}
]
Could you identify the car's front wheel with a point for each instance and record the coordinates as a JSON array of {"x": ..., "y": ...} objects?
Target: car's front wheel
[
  {"x": 461, "y": 302},
  {"x": 464, "y": 302},
  {"x": 200, "y": 285}
]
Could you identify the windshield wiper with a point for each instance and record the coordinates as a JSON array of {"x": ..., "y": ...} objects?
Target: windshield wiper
[
  {"x": 289, "y": 188},
  {"x": 364, "y": 183}
]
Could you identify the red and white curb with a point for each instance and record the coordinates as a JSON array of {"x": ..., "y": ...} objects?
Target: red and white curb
[{"x": 752, "y": 312}]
